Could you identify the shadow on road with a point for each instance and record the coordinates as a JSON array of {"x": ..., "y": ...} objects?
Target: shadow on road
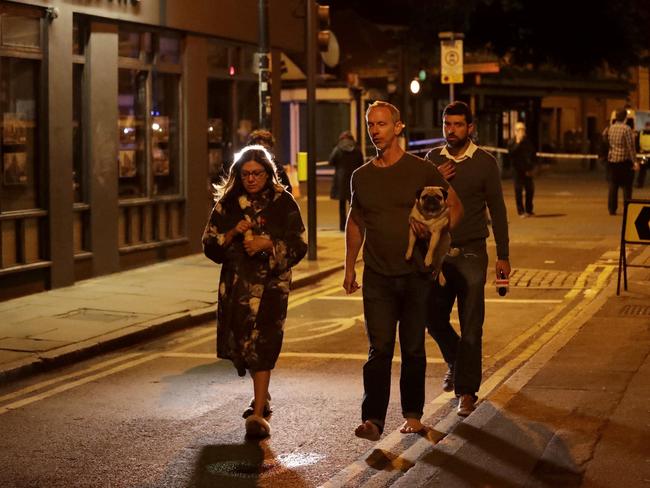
[{"x": 236, "y": 466}]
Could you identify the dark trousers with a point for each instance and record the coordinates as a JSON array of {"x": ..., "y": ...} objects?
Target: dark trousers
[
  {"x": 619, "y": 175},
  {"x": 387, "y": 301},
  {"x": 524, "y": 183},
  {"x": 466, "y": 275},
  {"x": 343, "y": 214}
]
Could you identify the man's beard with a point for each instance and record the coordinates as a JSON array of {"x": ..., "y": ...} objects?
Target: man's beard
[{"x": 457, "y": 143}]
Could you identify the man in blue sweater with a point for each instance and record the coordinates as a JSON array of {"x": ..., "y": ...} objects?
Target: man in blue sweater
[{"x": 474, "y": 175}]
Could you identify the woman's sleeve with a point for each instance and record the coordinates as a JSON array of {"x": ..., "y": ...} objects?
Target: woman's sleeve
[
  {"x": 291, "y": 247},
  {"x": 214, "y": 235}
]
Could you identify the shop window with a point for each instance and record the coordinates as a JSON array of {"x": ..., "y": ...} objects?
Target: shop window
[
  {"x": 22, "y": 218},
  {"x": 18, "y": 78},
  {"x": 132, "y": 120},
  {"x": 149, "y": 162},
  {"x": 165, "y": 134}
]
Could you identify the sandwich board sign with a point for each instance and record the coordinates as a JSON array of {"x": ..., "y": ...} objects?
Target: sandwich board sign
[{"x": 635, "y": 230}]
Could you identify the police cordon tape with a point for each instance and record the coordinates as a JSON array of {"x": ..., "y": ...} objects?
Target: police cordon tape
[{"x": 501, "y": 150}]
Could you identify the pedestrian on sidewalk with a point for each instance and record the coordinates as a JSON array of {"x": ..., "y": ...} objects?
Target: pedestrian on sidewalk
[
  {"x": 522, "y": 160},
  {"x": 620, "y": 159},
  {"x": 264, "y": 138},
  {"x": 345, "y": 157},
  {"x": 256, "y": 233},
  {"x": 474, "y": 173},
  {"x": 394, "y": 290}
]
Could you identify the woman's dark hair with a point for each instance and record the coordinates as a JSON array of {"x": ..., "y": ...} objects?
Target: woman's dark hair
[
  {"x": 232, "y": 187},
  {"x": 459, "y": 108}
]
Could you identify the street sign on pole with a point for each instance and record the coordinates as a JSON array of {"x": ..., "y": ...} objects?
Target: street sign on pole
[{"x": 451, "y": 60}]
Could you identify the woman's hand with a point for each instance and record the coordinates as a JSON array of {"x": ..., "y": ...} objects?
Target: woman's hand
[
  {"x": 242, "y": 226},
  {"x": 257, "y": 244}
]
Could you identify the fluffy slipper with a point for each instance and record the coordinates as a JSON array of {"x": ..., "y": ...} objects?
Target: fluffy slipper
[
  {"x": 257, "y": 427},
  {"x": 268, "y": 410},
  {"x": 368, "y": 430}
]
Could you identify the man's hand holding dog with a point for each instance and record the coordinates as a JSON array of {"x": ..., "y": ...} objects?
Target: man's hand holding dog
[{"x": 419, "y": 229}]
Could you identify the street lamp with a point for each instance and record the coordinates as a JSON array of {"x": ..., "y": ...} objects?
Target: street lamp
[{"x": 415, "y": 86}]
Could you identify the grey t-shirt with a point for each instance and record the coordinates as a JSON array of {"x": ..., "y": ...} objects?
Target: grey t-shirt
[{"x": 384, "y": 197}]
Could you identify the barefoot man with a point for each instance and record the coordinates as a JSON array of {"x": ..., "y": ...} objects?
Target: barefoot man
[{"x": 395, "y": 291}]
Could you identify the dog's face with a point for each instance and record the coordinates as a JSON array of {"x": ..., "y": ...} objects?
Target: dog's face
[{"x": 431, "y": 200}]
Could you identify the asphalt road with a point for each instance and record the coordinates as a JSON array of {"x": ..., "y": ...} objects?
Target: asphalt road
[{"x": 168, "y": 413}]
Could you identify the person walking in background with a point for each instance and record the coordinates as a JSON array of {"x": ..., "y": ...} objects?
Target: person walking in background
[
  {"x": 620, "y": 160},
  {"x": 346, "y": 157},
  {"x": 474, "y": 173},
  {"x": 264, "y": 138},
  {"x": 394, "y": 290},
  {"x": 256, "y": 233},
  {"x": 522, "y": 161}
]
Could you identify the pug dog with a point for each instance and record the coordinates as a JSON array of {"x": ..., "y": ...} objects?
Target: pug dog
[{"x": 431, "y": 209}]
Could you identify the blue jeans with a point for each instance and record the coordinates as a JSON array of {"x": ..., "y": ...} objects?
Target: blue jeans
[
  {"x": 387, "y": 301},
  {"x": 466, "y": 275}
]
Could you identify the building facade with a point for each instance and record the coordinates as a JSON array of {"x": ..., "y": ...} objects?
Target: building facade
[{"x": 116, "y": 117}]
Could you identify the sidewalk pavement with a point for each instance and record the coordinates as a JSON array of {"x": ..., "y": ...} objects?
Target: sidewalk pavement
[
  {"x": 576, "y": 413},
  {"x": 96, "y": 315}
]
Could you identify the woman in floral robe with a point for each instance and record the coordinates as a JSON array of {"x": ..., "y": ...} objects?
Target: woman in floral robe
[{"x": 255, "y": 231}]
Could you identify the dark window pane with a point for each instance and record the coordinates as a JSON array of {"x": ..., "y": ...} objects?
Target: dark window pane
[
  {"x": 165, "y": 134},
  {"x": 169, "y": 49},
  {"x": 249, "y": 65},
  {"x": 219, "y": 127},
  {"x": 134, "y": 44},
  {"x": 21, "y": 31},
  {"x": 79, "y": 35},
  {"x": 218, "y": 56},
  {"x": 19, "y": 108},
  {"x": 247, "y": 98},
  {"x": 131, "y": 126}
]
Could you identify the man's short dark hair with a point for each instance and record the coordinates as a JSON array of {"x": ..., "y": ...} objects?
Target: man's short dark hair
[
  {"x": 621, "y": 114},
  {"x": 459, "y": 108}
]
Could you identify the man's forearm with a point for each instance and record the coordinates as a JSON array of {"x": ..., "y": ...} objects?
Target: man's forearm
[{"x": 353, "y": 242}]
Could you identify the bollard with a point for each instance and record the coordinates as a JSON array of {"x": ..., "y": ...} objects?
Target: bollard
[{"x": 302, "y": 166}]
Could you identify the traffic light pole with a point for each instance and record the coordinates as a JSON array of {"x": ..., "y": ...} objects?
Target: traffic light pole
[
  {"x": 264, "y": 76},
  {"x": 311, "y": 130}
]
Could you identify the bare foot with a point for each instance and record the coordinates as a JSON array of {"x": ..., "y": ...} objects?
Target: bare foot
[
  {"x": 368, "y": 430},
  {"x": 412, "y": 426}
]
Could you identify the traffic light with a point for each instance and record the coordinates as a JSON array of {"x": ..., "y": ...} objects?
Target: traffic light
[{"x": 324, "y": 32}]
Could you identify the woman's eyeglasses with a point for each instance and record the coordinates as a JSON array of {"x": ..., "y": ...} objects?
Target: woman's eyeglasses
[{"x": 257, "y": 174}]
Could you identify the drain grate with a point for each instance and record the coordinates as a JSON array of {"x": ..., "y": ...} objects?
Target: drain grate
[{"x": 635, "y": 310}]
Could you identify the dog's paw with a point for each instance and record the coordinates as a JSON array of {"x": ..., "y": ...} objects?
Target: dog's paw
[
  {"x": 453, "y": 252},
  {"x": 442, "y": 281}
]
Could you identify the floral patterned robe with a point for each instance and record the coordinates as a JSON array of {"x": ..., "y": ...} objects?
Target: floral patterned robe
[{"x": 254, "y": 290}]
